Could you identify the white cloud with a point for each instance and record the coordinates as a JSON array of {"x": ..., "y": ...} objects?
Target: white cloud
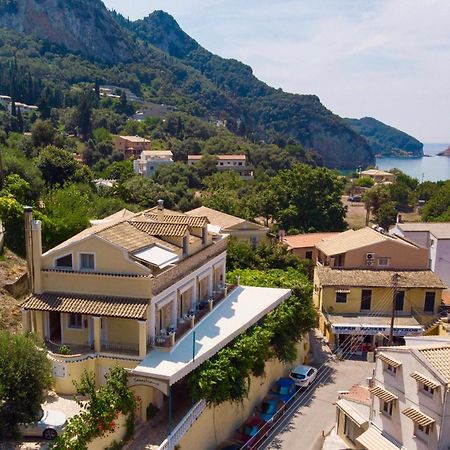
[{"x": 386, "y": 58}]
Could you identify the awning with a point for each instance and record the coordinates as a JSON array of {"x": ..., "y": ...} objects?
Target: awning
[
  {"x": 369, "y": 329},
  {"x": 383, "y": 394},
  {"x": 157, "y": 256},
  {"x": 352, "y": 413},
  {"x": 389, "y": 361},
  {"x": 342, "y": 291},
  {"x": 416, "y": 416},
  {"x": 92, "y": 305},
  {"x": 372, "y": 439},
  {"x": 425, "y": 380}
]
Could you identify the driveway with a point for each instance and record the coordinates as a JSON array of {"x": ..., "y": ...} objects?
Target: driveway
[{"x": 316, "y": 415}]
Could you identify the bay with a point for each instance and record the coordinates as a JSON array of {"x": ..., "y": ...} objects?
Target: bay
[{"x": 432, "y": 168}]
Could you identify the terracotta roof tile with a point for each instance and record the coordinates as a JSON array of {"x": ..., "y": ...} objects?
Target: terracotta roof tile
[
  {"x": 160, "y": 228},
  {"x": 192, "y": 221},
  {"x": 438, "y": 357},
  {"x": 378, "y": 278},
  {"x": 306, "y": 240},
  {"x": 358, "y": 393},
  {"x": 95, "y": 305}
]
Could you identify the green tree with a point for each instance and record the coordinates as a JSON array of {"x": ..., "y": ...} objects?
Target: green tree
[
  {"x": 437, "y": 208},
  {"x": 17, "y": 187},
  {"x": 145, "y": 192},
  {"x": 25, "y": 373},
  {"x": 386, "y": 215},
  {"x": 57, "y": 165},
  {"x": 42, "y": 133},
  {"x": 364, "y": 182},
  {"x": 308, "y": 199}
]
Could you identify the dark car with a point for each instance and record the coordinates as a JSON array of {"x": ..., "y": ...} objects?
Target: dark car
[
  {"x": 251, "y": 431},
  {"x": 354, "y": 198},
  {"x": 284, "y": 389},
  {"x": 270, "y": 408}
]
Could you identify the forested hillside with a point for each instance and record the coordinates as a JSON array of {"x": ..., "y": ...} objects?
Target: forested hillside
[{"x": 80, "y": 41}]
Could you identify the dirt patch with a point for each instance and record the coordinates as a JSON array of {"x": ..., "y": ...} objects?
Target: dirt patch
[{"x": 12, "y": 267}]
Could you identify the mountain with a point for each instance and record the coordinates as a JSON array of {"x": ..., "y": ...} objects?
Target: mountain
[
  {"x": 155, "y": 56},
  {"x": 386, "y": 140},
  {"x": 445, "y": 152},
  {"x": 82, "y": 26}
]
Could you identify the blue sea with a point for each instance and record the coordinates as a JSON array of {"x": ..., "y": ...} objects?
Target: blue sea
[{"x": 433, "y": 168}]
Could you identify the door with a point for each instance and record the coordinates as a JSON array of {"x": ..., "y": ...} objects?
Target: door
[
  {"x": 430, "y": 298},
  {"x": 366, "y": 299},
  {"x": 399, "y": 300},
  {"x": 55, "y": 326}
]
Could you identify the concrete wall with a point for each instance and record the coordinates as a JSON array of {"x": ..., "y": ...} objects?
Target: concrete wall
[
  {"x": 216, "y": 424},
  {"x": 105, "y": 441},
  {"x": 340, "y": 430},
  {"x": 441, "y": 260}
]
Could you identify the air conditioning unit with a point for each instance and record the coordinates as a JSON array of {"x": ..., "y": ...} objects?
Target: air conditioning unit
[
  {"x": 369, "y": 262},
  {"x": 370, "y": 256}
]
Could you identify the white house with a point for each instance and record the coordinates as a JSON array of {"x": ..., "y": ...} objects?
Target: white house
[
  {"x": 150, "y": 160},
  {"x": 410, "y": 406},
  {"x": 433, "y": 236}
]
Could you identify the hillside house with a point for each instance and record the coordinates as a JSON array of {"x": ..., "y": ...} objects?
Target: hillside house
[
  {"x": 150, "y": 160},
  {"x": 237, "y": 163},
  {"x": 132, "y": 146}
]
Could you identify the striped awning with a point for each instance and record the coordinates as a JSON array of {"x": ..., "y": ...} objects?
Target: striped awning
[
  {"x": 383, "y": 394},
  {"x": 416, "y": 416},
  {"x": 372, "y": 439},
  {"x": 425, "y": 380},
  {"x": 387, "y": 360}
]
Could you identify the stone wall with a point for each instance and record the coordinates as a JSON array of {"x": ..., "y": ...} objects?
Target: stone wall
[{"x": 181, "y": 270}]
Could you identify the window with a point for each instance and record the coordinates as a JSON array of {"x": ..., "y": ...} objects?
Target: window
[
  {"x": 383, "y": 262},
  {"x": 422, "y": 432},
  {"x": 428, "y": 390},
  {"x": 399, "y": 300},
  {"x": 308, "y": 255},
  {"x": 341, "y": 297},
  {"x": 366, "y": 299},
  {"x": 386, "y": 408},
  {"x": 75, "y": 321},
  {"x": 87, "y": 261},
  {"x": 391, "y": 369},
  {"x": 430, "y": 298},
  {"x": 65, "y": 262},
  {"x": 253, "y": 241}
]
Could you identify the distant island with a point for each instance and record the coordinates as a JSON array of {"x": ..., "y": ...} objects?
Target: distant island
[
  {"x": 386, "y": 141},
  {"x": 445, "y": 152}
]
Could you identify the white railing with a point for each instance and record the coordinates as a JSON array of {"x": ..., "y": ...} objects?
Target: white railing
[{"x": 183, "y": 426}]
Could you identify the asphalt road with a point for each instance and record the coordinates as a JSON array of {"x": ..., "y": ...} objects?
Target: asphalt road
[{"x": 316, "y": 413}]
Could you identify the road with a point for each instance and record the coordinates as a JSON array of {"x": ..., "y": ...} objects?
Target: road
[{"x": 317, "y": 411}]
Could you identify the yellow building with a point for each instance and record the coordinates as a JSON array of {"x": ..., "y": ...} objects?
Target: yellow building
[
  {"x": 359, "y": 278},
  {"x": 241, "y": 229}
]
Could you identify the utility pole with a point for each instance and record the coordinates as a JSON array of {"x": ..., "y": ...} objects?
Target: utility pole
[{"x": 395, "y": 279}]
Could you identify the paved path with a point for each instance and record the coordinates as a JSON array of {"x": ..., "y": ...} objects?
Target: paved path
[{"x": 317, "y": 413}]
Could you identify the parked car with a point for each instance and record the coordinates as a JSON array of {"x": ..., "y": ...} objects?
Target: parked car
[
  {"x": 303, "y": 376},
  {"x": 284, "y": 389},
  {"x": 270, "y": 408},
  {"x": 49, "y": 425},
  {"x": 354, "y": 198},
  {"x": 248, "y": 434}
]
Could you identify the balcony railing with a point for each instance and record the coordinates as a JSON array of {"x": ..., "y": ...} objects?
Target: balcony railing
[
  {"x": 119, "y": 347},
  {"x": 81, "y": 349}
]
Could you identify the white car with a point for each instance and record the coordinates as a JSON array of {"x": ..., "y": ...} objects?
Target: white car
[
  {"x": 303, "y": 376},
  {"x": 49, "y": 425}
]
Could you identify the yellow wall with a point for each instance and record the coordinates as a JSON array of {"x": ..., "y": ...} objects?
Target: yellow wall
[
  {"x": 105, "y": 441},
  {"x": 381, "y": 300},
  {"x": 85, "y": 283},
  {"x": 124, "y": 331},
  {"x": 73, "y": 335},
  {"x": 75, "y": 367},
  {"x": 108, "y": 258},
  {"x": 340, "y": 430},
  {"x": 216, "y": 424},
  {"x": 405, "y": 257}
]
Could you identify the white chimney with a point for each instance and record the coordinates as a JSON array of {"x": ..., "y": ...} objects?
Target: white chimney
[
  {"x": 160, "y": 211},
  {"x": 33, "y": 248}
]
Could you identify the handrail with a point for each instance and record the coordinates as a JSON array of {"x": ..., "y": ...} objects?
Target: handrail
[{"x": 183, "y": 426}]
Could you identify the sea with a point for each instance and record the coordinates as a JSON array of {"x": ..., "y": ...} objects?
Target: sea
[{"x": 428, "y": 168}]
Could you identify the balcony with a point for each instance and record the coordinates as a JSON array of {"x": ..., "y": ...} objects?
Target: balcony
[
  {"x": 82, "y": 349},
  {"x": 169, "y": 338}
]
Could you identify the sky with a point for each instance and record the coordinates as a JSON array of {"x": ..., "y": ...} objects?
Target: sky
[{"x": 388, "y": 59}]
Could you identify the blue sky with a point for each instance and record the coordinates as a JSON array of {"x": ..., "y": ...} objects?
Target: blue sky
[{"x": 389, "y": 59}]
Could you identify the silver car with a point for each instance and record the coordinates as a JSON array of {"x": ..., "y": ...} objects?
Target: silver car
[
  {"x": 303, "y": 376},
  {"x": 49, "y": 425}
]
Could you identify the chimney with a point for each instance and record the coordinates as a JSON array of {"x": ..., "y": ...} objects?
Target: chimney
[
  {"x": 160, "y": 211},
  {"x": 33, "y": 249}
]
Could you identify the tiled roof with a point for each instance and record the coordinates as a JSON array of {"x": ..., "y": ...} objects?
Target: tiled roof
[
  {"x": 376, "y": 172},
  {"x": 372, "y": 439},
  {"x": 358, "y": 393},
  {"x": 156, "y": 153},
  {"x": 306, "y": 240},
  {"x": 438, "y": 357},
  {"x": 192, "y": 221},
  {"x": 352, "y": 240},
  {"x": 417, "y": 416},
  {"x": 378, "y": 278},
  {"x": 385, "y": 395},
  {"x": 128, "y": 308},
  {"x": 135, "y": 139},
  {"x": 219, "y": 157},
  {"x": 160, "y": 228}
]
